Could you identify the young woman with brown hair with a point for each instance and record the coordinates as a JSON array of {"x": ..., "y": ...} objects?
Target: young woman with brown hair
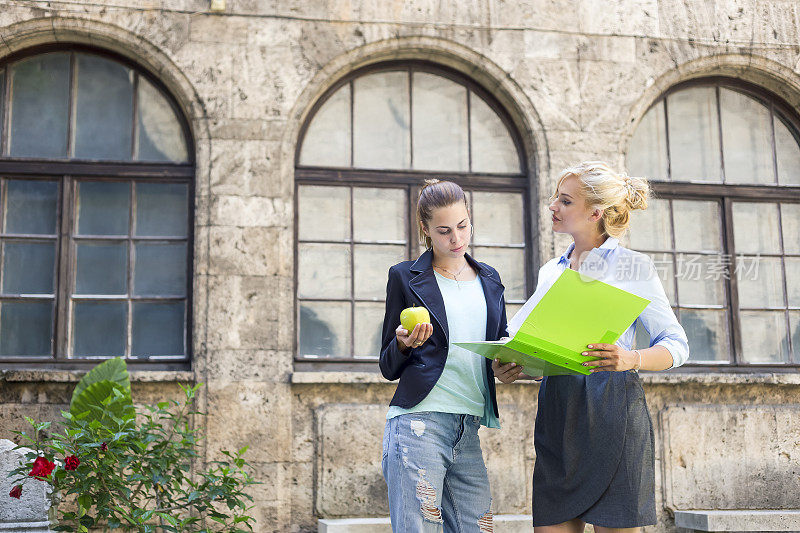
[{"x": 432, "y": 459}]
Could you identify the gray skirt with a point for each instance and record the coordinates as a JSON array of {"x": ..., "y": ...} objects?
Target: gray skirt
[{"x": 594, "y": 452}]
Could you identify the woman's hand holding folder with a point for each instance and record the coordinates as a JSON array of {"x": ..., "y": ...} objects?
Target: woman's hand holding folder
[{"x": 509, "y": 372}]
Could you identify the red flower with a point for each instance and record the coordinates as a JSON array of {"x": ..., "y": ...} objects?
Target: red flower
[
  {"x": 42, "y": 467},
  {"x": 16, "y": 492},
  {"x": 104, "y": 447},
  {"x": 71, "y": 462}
]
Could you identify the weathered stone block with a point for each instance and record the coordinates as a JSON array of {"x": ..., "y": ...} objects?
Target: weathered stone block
[
  {"x": 31, "y": 512},
  {"x": 251, "y": 211},
  {"x": 751, "y": 447},
  {"x": 207, "y": 28},
  {"x": 631, "y": 17},
  {"x": 250, "y": 413},
  {"x": 349, "y": 479},
  {"x": 249, "y": 312},
  {"x": 252, "y": 251},
  {"x": 242, "y": 365},
  {"x": 507, "y": 453}
]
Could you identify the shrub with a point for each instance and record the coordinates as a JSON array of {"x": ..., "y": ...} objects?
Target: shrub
[{"x": 117, "y": 468}]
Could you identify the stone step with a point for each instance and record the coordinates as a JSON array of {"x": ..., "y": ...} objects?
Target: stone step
[{"x": 508, "y": 523}]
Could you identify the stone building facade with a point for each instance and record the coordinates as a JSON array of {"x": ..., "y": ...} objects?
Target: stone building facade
[{"x": 574, "y": 79}]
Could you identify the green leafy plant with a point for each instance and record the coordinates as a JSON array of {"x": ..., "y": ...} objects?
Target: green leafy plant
[{"x": 117, "y": 468}]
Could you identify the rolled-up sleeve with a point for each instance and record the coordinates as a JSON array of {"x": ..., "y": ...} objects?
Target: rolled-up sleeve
[{"x": 659, "y": 320}]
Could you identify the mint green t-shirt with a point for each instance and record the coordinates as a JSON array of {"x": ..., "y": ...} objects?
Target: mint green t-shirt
[{"x": 462, "y": 388}]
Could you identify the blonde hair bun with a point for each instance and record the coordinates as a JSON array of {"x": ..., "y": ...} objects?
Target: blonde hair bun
[{"x": 616, "y": 194}]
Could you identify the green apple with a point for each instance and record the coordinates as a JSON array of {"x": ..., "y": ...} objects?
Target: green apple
[{"x": 412, "y": 316}]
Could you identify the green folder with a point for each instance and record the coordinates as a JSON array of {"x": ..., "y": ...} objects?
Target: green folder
[{"x": 577, "y": 310}]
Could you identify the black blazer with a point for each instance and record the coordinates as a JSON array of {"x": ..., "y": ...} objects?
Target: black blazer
[{"x": 412, "y": 283}]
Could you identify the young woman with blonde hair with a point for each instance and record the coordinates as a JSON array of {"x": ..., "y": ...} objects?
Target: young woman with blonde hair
[
  {"x": 593, "y": 435},
  {"x": 432, "y": 459}
]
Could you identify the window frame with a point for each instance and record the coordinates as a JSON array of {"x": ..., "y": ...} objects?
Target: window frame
[
  {"x": 726, "y": 194},
  {"x": 66, "y": 172},
  {"x": 409, "y": 180}
]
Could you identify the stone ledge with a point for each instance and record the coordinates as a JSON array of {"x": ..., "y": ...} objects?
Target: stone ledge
[
  {"x": 73, "y": 376},
  {"x": 648, "y": 378},
  {"x": 510, "y": 523},
  {"x": 739, "y": 520}
]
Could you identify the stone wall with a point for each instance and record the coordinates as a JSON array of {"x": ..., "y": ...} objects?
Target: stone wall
[{"x": 575, "y": 76}]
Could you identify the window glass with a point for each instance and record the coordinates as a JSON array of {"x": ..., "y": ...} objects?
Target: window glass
[
  {"x": 26, "y": 328},
  {"x": 351, "y": 230},
  {"x": 493, "y": 150},
  {"x": 31, "y": 207},
  {"x": 327, "y": 140},
  {"x": 746, "y": 139},
  {"x": 120, "y": 247},
  {"x": 647, "y": 156},
  {"x": 158, "y": 329},
  {"x": 105, "y": 89},
  {"x": 694, "y": 134},
  {"x": 160, "y": 133},
  {"x": 381, "y": 125},
  {"x": 103, "y": 207},
  {"x": 439, "y": 113},
  {"x": 787, "y": 151},
  {"x": 40, "y": 106}
]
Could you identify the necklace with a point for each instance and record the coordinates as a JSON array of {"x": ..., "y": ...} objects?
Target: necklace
[{"x": 454, "y": 274}]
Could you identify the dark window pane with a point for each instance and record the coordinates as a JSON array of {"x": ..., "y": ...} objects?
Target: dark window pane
[
  {"x": 160, "y": 132},
  {"x": 160, "y": 269},
  {"x": 325, "y": 329},
  {"x": 40, "y": 106},
  {"x": 101, "y": 268},
  {"x": 103, "y": 208},
  {"x": 161, "y": 209},
  {"x": 707, "y": 331},
  {"x": 26, "y": 328},
  {"x": 99, "y": 329},
  {"x": 28, "y": 268},
  {"x": 31, "y": 207},
  {"x": 158, "y": 329},
  {"x": 104, "y": 115}
]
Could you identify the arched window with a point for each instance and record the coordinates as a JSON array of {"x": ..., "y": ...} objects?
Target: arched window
[
  {"x": 96, "y": 182},
  {"x": 367, "y": 146},
  {"x": 724, "y": 229}
]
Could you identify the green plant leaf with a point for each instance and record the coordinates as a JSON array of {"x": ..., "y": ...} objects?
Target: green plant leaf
[
  {"x": 93, "y": 397},
  {"x": 114, "y": 370},
  {"x": 85, "y": 501}
]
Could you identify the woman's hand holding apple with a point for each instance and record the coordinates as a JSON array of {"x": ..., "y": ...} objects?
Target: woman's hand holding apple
[{"x": 416, "y": 338}]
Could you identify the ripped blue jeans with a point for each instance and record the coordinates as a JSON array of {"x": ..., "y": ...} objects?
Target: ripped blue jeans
[{"x": 433, "y": 467}]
